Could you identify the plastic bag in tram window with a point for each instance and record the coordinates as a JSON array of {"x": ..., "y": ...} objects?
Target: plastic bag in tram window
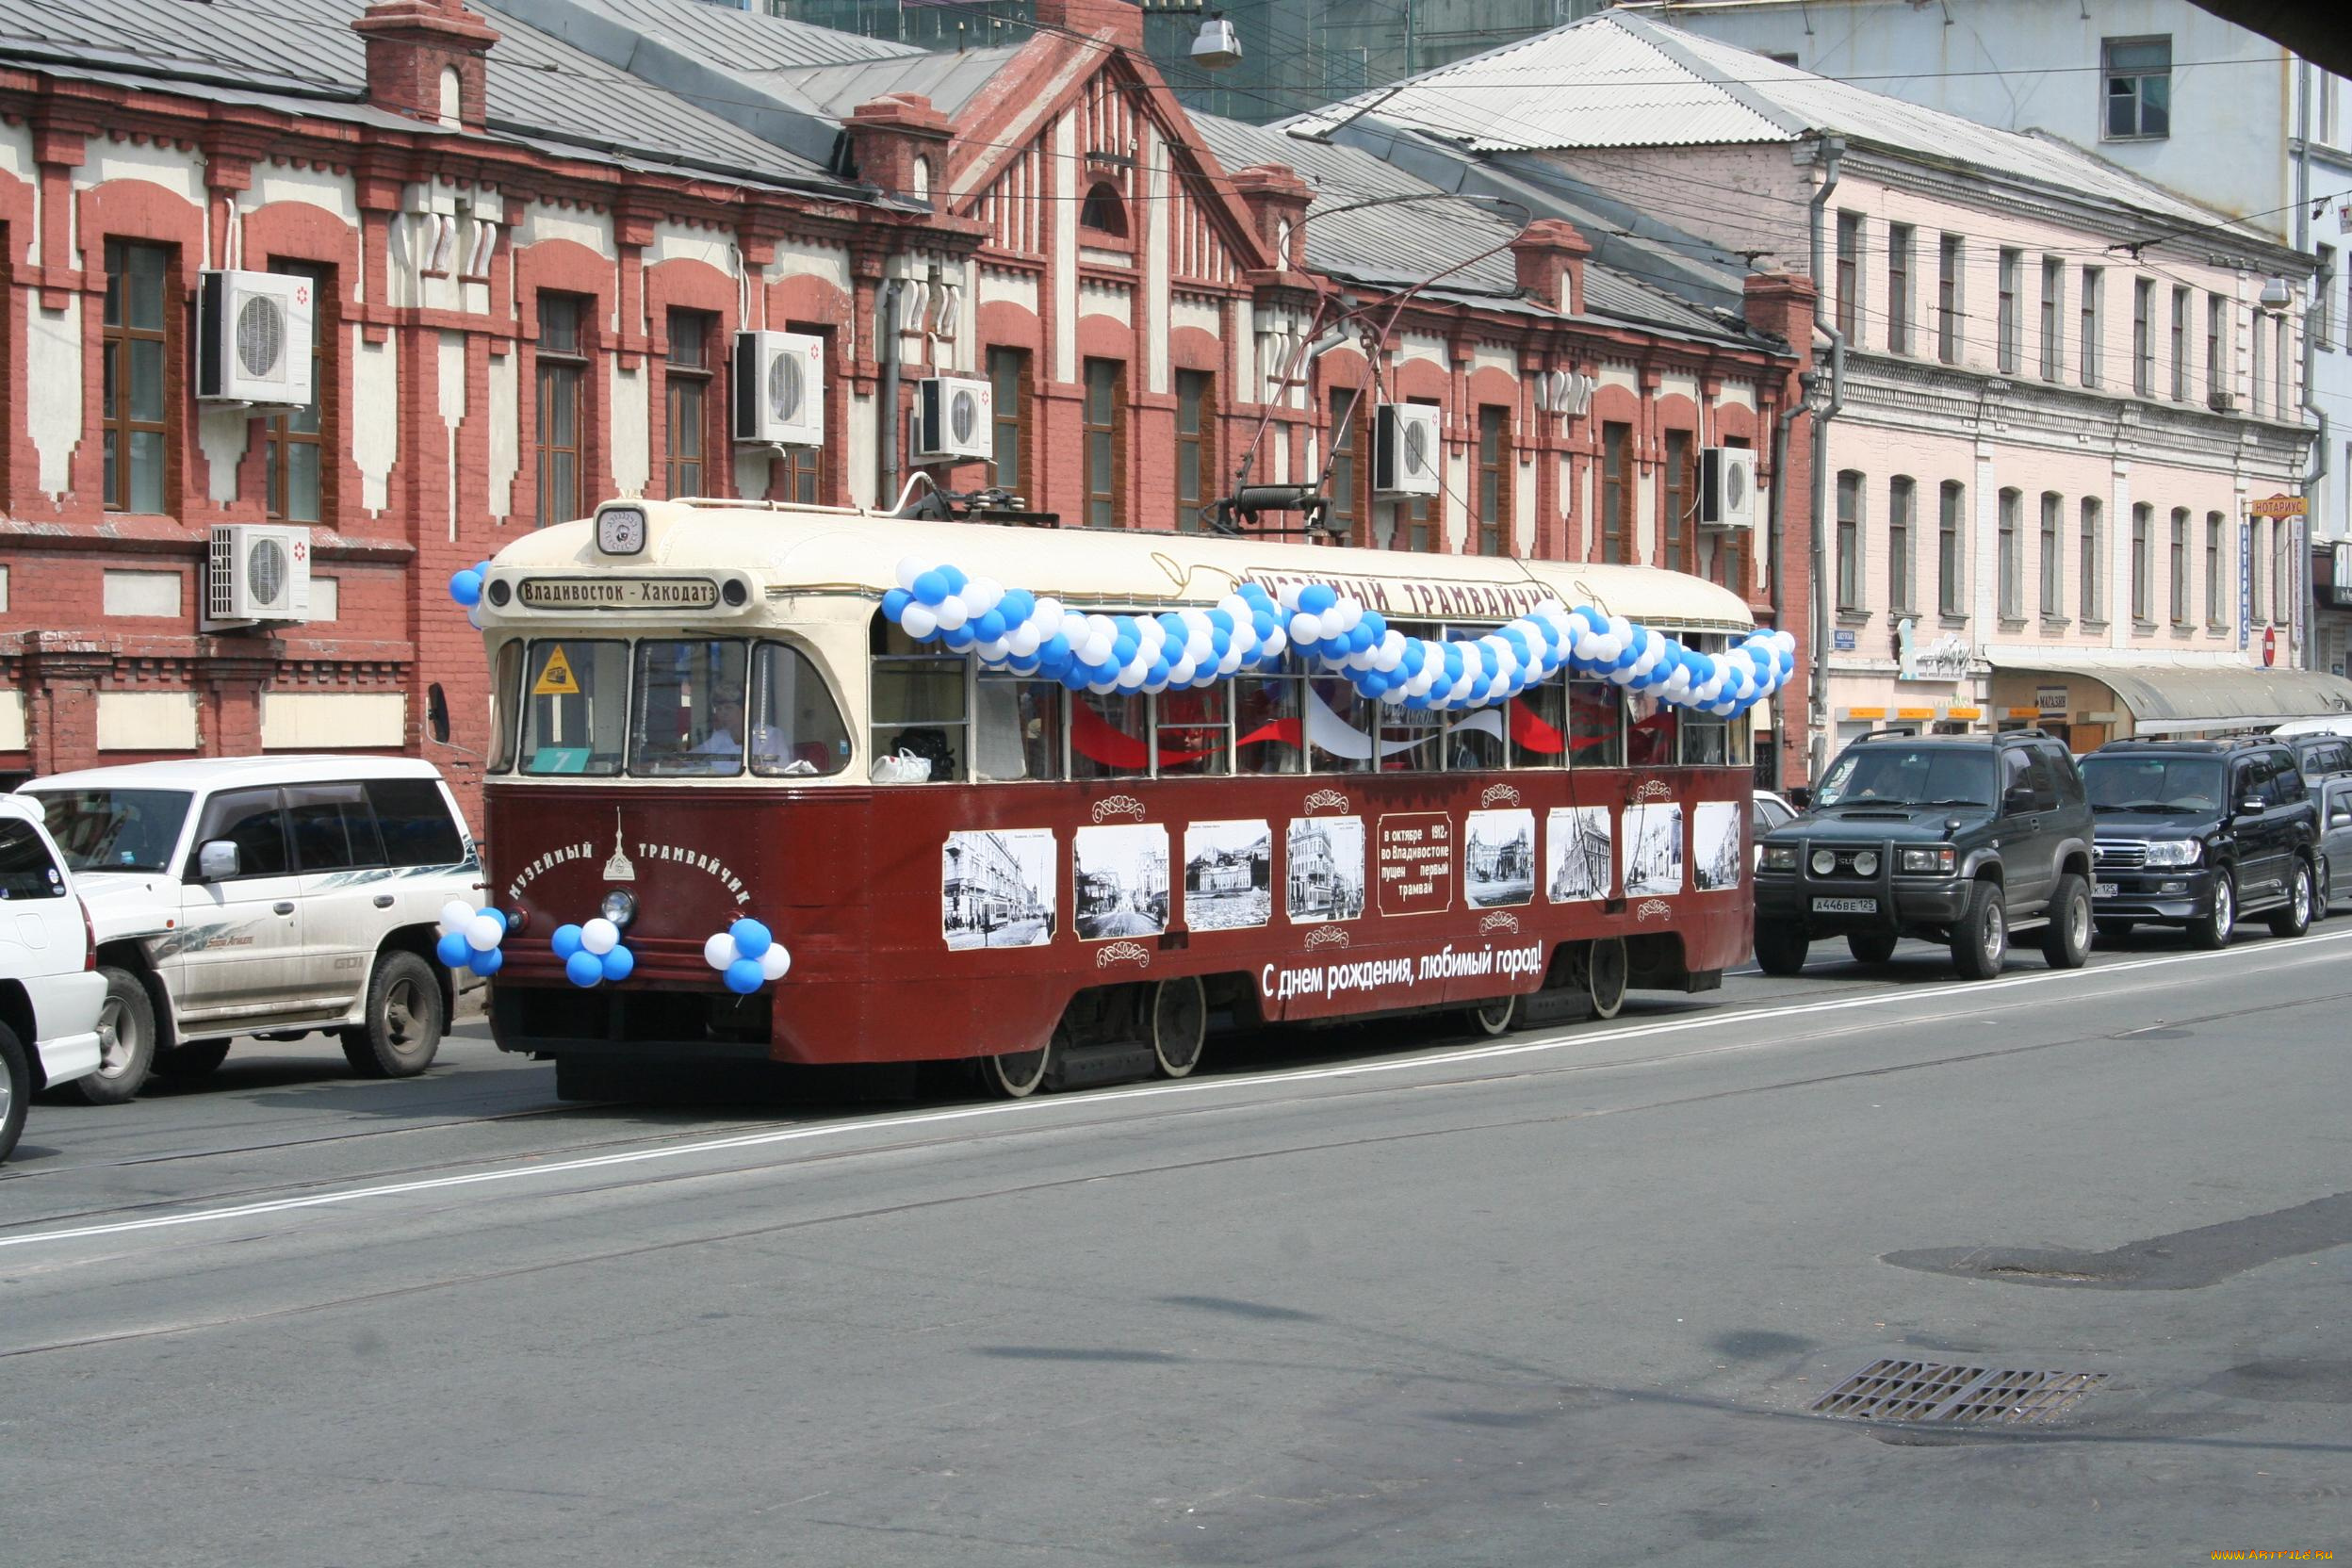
[{"x": 902, "y": 767}]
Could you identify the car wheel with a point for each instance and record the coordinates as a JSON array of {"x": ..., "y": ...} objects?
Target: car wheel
[
  {"x": 2296, "y": 918},
  {"x": 1780, "y": 947},
  {"x": 2211, "y": 930},
  {"x": 1979, "y": 942},
  {"x": 2115, "y": 930},
  {"x": 2325, "y": 893},
  {"x": 401, "y": 1031},
  {"x": 16, "y": 1089},
  {"x": 1872, "y": 947},
  {"x": 194, "y": 1060},
  {"x": 2066, "y": 939},
  {"x": 126, "y": 1042}
]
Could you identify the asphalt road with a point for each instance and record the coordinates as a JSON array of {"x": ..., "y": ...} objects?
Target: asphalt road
[{"x": 1389, "y": 1295}]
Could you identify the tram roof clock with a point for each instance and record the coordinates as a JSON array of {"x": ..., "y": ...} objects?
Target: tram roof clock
[{"x": 621, "y": 529}]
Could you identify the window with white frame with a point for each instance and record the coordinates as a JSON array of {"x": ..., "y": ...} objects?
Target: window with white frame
[{"x": 2136, "y": 75}]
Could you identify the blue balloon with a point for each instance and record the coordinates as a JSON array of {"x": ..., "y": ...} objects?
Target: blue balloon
[
  {"x": 483, "y": 566},
  {"x": 566, "y": 941},
  {"x": 1453, "y": 660},
  {"x": 465, "y": 587},
  {"x": 619, "y": 963},
  {"x": 1123, "y": 650},
  {"x": 744, "y": 976},
  {"x": 961, "y": 638},
  {"x": 1017, "y": 605},
  {"x": 1220, "y": 620},
  {"x": 487, "y": 962},
  {"x": 930, "y": 587},
  {"x": 1263, "y": 624},
  {"x": 991, "y": 627},
  {"x": 1317, "y": 597},
  {"x": 1075, "y": 678},
  {"x": 1361, "y": 638},
  {"x": 1159, "y": 672},
  {"x": 751, "y": 938},
  {"x": 894, "y": 604},
  {"x": 955, "y": 580},
  {"x": 1055, "y": 647},
  {"x": 583, "y": 969},
  {"x": 1377, "y": 622},
  {"x": 453, "y": 950}
]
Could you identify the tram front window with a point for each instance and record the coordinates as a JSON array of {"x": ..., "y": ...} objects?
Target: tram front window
[
  {"x": 689, "y": 719},
  {"x": 576, "y": 717},
  {"x": 503, "y": 697},
  {"x": 796, "y": 727}
]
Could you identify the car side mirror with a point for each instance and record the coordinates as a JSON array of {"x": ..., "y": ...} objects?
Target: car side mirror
[
  {"x": 2252, "y": 805},
  {"x": 2017, "y": 800},
  {"x": 437, "y": 713},
  {"x": 217, "y": 860}
]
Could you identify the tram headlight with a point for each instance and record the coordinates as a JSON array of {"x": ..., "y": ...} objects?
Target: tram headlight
[
  {"x": 619, "y": 907},
  {"x": 500, "y": 592}
]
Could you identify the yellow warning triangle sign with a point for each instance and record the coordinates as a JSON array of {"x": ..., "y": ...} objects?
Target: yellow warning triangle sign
[{"x": 557, "y": 679}]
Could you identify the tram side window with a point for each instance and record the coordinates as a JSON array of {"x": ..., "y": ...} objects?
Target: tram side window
[
  {"x": 1193, "y": 737},
  {"x": 1106, "y": 735},
  {"x": 1340, "y": 725},
  {"x": 689, "y": 710},
  {"x": 1650, "y": 730},
  {"x": 576, "y": 717},
  {"x": 1705, "y": 741},
  {"x": 1473, "y": 741},
  {"x": 919, "y": 703},
  {"x": 1411, "y": 738},
  {"x": 504, "y": 699},
  {"x": 1596, "y": 733},
  {"x": 1016, "y": 730},
  {"x": 1739, "y": 737},
  {"x": 1537, "y": 719},
  {"x": 796, "y": 727},
  {"x": 1266, "y": 737}
]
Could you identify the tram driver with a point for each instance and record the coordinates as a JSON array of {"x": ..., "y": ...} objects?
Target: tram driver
[{"x": 728, "y": 730}]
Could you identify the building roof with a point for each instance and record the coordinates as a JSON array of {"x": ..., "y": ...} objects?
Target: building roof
[
  {"x": 949, "y": 80},
  {"x": 302, "y": 55},
  {"x": 1422, "y": 229},
  {"x": 1620, "y": 80}
]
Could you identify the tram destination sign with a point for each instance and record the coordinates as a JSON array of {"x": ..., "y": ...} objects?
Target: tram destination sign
[{"x": 617, "y": 593}]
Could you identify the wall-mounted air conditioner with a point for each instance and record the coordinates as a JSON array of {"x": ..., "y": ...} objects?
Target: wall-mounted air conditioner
[
  {"x": 257, "y": 573},
  {"x": 1726, "y": 488},
  {"x": 1405, "y": 452},
  {"x": 779, "y": 389},
  {"x": 954, "y": 419},
  {"x": 252, "y": 337},
  {"x": 2222, "y": 402}
]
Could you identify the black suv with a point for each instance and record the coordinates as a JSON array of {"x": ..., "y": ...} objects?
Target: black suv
[
  {"x": 2201, "y": 833},
  {"x": 1963, "y": 839}
]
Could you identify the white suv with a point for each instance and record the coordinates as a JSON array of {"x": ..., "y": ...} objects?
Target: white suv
[
  {"x": 50, "y": 991},
  {"x": 264, "y": 895}
]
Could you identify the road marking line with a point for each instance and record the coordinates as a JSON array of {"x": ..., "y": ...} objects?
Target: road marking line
[{"x": 1194, "y": 1086}]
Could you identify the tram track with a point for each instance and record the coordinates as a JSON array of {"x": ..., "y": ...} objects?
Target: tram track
[
  {"x": 1288, "y": 1149},
  {"x": 1119, "y": 1107}
]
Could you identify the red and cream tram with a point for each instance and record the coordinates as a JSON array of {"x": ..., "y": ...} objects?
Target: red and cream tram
[{"x": 737, "y": 810}]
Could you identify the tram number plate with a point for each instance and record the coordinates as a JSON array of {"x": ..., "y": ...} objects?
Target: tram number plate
[
  {"x": 2102, "y": 889},
  {"x": 1845, "y": 906}
]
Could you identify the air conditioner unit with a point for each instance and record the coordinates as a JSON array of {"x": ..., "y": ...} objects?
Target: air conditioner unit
[
  {"x": 1405, "y": 452},
  {"x": 2223, "y": 403},
  {"x": 779, "y": 389},
  {"x": 258, "y": 573},
  {"x": 253, "y": 337},
  {"x": 1726, "y": 488},
  {"x": 954, "y": 419}
]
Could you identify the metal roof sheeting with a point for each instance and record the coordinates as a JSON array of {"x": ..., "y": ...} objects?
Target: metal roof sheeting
[
  {"x": 1617, "y": 80},
  {"x": 743, "y": 39},
  {"x": 948, "y": 80}
]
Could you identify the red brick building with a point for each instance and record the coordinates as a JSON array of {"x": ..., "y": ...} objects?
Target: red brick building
[{"x": 532, "y": 228}]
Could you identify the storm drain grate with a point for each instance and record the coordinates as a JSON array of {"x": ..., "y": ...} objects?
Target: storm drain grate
[{"x": 1926, "y": 1393}]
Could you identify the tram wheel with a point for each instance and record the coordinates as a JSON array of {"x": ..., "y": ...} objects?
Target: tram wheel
[
  {"x": 1016, "y": 1074},
  {"x": 1497, "y": 1015},
  {"x": 1605, "y": 972},
  {"x": 1179, "y": 1024}
]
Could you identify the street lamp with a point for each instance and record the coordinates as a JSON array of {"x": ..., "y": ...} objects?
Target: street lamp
[{"x": 1219, "y": 46}]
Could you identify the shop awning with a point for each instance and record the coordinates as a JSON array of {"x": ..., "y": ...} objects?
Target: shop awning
[{"x": 2168, "y": 700}]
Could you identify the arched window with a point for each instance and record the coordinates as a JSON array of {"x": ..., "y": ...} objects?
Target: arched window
[
  {"x": 452, "y": 97},
  {"x": 1104, "y": 211},
  {"x": 923, "y": 180}
]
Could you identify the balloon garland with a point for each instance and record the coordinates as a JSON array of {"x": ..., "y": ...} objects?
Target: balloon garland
[
  {"x": 1011, "y": 629},
  {"x": 471, "y": 938},
  {"x": 465, "y": 588},
  {"x": 591, "y": 953},
  {"x": 747, "y": 954}
]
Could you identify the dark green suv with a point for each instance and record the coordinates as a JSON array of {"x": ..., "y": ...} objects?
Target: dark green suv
[{"x": 1962, "y": 839}]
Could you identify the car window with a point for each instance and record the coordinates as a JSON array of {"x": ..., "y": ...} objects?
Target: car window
[
  {"x": 2286, "y": 780},
  {"x": 333, "y": 827},
  {"x": 2042, "y": 778},
  {"x": 2065, "y": 773},
  {"x": 26, "y": 869},
  {"x": 249, "y": 819},
  {"x": 115, "y": 830},
  {"x": 2016, "y": 766},
  {"x": 415, "y": 823},
  {"x": 2340, "y": 807}
]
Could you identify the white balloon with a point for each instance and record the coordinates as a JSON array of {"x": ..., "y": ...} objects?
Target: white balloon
[
  {"x": 719, "y": 952},
  {"x": 982, "y": 594},
  {"x": 600, "y": 935},
  {"x": 1181, "y": 672},
  {"x": 1274, "y": 645},
  {"x": 1024, "y": 639},
  {"x": 1231, "y": 661},
  {"x": 774, "y": 963},
  {"x": 1288, "y": 597},
  {"x": 1334, "y": 621},
  {"x": 908, "y": 569},
  {"x": 473, "y": 616},
  {"x": 992, "y": 650},
  {"x": 951, "y": 613},
  {"x": 917, "y": 621},
  {"x": 1131, "y": 677},
  {"x": 1350, "y": 611},
  {"x": 1305, "y": 627},
  {"x": 484, "y": 932},
  {"x": 456, "y": 915}
]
